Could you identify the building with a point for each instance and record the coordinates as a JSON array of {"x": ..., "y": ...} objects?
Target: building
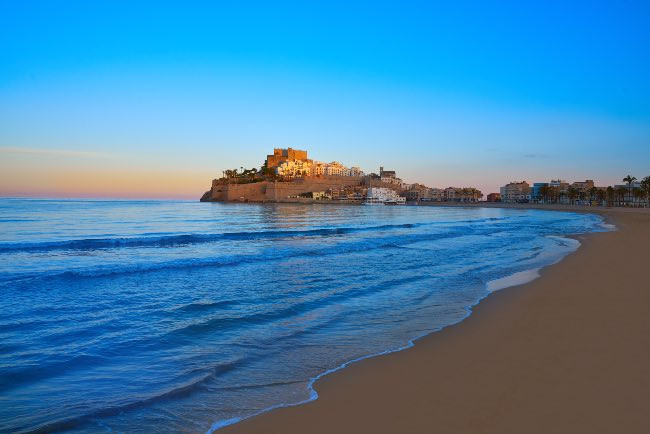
[
  {"x": 292, "y": 163},
  {"x": 494, "y": 197},
  {"x": 416, "y": 192},
  {"x": 391, "y": 180},
  {"x": 583, "y": 186},
  {"x": 434, "y": 195},
  {"x": 334, "y": 169},
  {"x": 354, "y": 171},
  {"x": 559, "y": 184},
  {"x": 536, "y": 193},
  {"x": 381, "y": 195},
  {"x": 386, "y": 173},
  {"x": 629, "y": 197},
  {"x": 390, "y": 177},
  {"x": 294, "y": 168},
  {"x": 514, "y": 192},
  {"x": 280, "y": 156},
  {"x": 464, "y": 194},
  {"x": 427, "y": 195}
]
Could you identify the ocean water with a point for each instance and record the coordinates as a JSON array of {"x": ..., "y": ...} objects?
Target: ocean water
[{"x": 161, "y": 316}]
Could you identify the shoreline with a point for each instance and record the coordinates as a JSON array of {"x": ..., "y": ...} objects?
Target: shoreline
[
  {"x": 593, "y": 209},
  {"x": 516, "y": 279},
  {"x": 328, "y": 387}
]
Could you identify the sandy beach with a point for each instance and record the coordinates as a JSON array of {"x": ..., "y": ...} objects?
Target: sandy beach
[{"x": 566, "y": 353}]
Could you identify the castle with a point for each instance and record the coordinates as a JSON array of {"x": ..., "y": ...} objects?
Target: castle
[
  {"x": 289, "y": 175},
  {"x": 280, "y": 156},
  {"x": 293, "y": 163}
]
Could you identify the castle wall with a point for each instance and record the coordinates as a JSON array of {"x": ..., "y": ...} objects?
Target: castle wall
[
  {"x": 255, "y": 192},
  {"x": 282, "y": 190}
]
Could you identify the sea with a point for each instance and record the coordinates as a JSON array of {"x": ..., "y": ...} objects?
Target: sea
[{"x": 166, "y": 316}]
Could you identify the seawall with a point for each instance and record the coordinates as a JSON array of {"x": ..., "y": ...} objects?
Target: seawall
[{"x": 277, "y": 191}]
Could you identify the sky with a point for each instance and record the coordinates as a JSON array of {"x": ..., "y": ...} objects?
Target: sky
[{"x": 154, "y": 99}]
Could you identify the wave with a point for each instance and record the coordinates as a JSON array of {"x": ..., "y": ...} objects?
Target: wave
[
  {"x": 205, "y": 326},
  {"x": 174, "y": 240},
  {"x": 12, "y": 378},
  {"x": 396, "y": 242},
  {"x": 187, "y": 239},
  {"x": 202, "y": 381},
  {"x": 207, "y": 305},
  {"x": 179, "y": 391}
]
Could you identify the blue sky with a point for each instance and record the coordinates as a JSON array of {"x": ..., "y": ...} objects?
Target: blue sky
[{"x": 157, "y": 98}]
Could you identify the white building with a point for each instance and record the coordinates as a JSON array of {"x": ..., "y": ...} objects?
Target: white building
[
  {"x": 294, "y": 168},
  {"x": 334, "y": 169},
  {"x": 298, "y": 168},
  {"x": 380, "y": 195},
  {"x": 354, "y": 171}
]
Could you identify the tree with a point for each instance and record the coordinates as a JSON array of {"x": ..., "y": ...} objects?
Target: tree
[
  {"x": 620, "y": 194},
  {"x": 553, "y": 193},
  {"x": 572, "y": 193},
  {"x": 582, "y": 195},
  {"x": 543, "y": 193},
  {"x": 593, "y": 193},
  {"x": 610, "y": 195},
  {"x": 629, "y": 179},
  {"x": 600, "y": 194},
  {"x": 645, "y": 185},
  {"x": 639, "y": 194}
]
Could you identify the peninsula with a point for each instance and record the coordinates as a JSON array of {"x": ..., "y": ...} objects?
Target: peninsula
[{"x": 289, "y": 175}]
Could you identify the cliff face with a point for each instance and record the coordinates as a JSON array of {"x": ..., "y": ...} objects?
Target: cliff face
[{"x": 207, "y": 196}]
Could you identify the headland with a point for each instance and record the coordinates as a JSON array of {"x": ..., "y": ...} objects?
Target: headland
[{"x": 288, "y": 175}]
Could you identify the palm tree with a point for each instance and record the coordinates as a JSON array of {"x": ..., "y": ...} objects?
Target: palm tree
[
  {"x": 610, "y": 195},
  {"x": 572, "y": 193},
  {"x": 582, "y": 195},
  {"x": 620, "y": 193},
  {"x": 639, "y": 194},
  {"x": 555, "y": 194},
  {"x": 543, "y": 192},
  {"x": 593, "y": 192},
  {"x": 629, "y": 179},
  {"x": 645, "y": 185}
]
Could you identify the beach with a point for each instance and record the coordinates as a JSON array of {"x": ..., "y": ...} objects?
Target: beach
[{"x": 566, "y": 353}]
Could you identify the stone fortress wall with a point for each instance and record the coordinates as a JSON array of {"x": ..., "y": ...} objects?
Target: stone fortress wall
[{"x": 273, "y": 191}]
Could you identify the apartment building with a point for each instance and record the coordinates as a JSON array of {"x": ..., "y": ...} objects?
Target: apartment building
[{"x": 514, "y": 192}]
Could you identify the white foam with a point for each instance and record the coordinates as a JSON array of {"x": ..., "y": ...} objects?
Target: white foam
[{"x": 515, "y": 279}]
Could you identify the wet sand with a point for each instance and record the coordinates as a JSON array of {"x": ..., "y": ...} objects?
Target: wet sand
[{"x": 566, "y": 353}]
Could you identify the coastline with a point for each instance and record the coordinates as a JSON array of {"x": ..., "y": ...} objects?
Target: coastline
[{"x": 438, "y": 384}]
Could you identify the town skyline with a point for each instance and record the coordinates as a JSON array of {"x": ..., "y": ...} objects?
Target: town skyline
[
  {"x": 193, "y": 183},
  {"x": 291, "y": 175}
]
